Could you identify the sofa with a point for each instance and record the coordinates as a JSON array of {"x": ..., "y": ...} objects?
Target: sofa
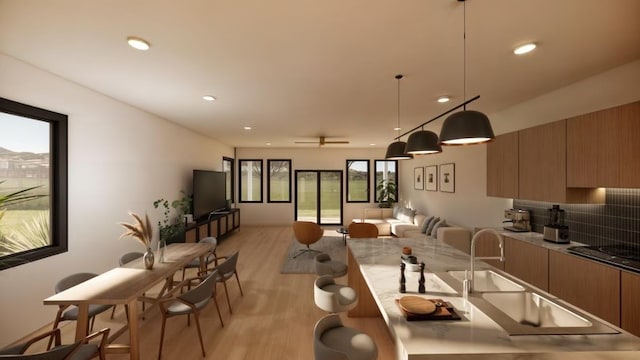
[{"x": 407, "y": 223}]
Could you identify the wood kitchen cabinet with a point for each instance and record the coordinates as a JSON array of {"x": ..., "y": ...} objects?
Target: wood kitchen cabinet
[
  {"x": 602, "y": 149},
  {"x": 629, "y": 159},
  {"x": 542, "y": 167},
  {"x": 630, "y": 302},
  {"x": 502, "y": 166},
  {"x": 588, "y": 285},
  {"x": 527, "y": 262}
]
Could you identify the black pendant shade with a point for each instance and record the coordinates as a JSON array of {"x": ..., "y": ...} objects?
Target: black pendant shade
[
  {"x": 423, "y": 142},
  {"x": 466, "y": 127},
  {"x": 395, "y": 151}
]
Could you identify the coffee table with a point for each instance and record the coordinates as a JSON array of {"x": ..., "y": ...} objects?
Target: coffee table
[{"x": 344, "y": 232}]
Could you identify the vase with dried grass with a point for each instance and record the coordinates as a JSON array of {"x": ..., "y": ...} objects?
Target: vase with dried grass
[{"x": 143, "y": 232}]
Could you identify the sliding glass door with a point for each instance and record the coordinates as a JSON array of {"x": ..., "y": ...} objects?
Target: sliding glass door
[{"x": 319, "y": 196}]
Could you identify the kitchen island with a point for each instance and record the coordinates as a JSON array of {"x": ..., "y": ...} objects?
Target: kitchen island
[{"x": 374, "y": 270}]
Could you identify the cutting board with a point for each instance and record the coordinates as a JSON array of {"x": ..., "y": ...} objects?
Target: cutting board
[{"x": 445, "y": 312}]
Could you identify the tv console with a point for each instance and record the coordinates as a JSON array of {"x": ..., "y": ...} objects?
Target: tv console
[{"x": 218, "y": 224}]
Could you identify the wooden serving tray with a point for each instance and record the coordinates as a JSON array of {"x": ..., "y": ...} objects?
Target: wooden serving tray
[{"x": 445, "y": 312}]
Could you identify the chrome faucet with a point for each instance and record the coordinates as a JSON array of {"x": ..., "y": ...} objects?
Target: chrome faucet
[{"x": 473, "y": 252}]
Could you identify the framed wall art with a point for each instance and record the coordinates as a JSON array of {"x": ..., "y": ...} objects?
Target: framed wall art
[
  {"x": 418, "y": 178},
  {"x": 431, "y": 178},
  {"x": 448, "y": 177}
]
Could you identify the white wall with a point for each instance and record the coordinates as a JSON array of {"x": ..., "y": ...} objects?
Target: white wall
[
  {"x": 120, "y": 159},
  {"x": 315, "y": 158},
  {"x": 468, "y": 206}
]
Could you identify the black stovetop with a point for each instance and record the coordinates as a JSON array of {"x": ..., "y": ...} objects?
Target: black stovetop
[{"x": 623, "y": 255}]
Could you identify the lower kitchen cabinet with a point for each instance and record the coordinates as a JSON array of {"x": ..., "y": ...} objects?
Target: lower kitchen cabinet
[
  {"x": 630, "y": 302},
  {"x": 527, "y": 262},
  {"x": 588, "y": 285}
]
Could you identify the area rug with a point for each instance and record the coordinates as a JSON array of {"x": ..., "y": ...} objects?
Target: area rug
[{"x": 303, "y": 264}]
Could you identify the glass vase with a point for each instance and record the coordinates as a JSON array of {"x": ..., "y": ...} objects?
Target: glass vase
[{"x": 162, "y": 243}]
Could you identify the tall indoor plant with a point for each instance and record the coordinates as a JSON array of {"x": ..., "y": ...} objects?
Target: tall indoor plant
[{"x": 387, "y": 191}]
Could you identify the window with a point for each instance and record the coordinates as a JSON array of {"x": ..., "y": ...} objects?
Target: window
[
  {"x": 250, "y": 181},
  {"x": 358, "y": 181},
  {"x": 227, "y": 168},
  {"x": 33, "y": 183},
  {"x": 386, "y": 171},
  {"x": 279, "y": 183}
]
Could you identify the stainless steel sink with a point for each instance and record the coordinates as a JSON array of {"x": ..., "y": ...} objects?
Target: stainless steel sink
[
  {"x": 488, "y": 280},
  {"x": 531, "y": 309},
  {"x": 529, "y": 313}
]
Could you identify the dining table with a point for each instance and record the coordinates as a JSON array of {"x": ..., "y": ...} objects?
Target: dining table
[{"x": 125, "y": 285}]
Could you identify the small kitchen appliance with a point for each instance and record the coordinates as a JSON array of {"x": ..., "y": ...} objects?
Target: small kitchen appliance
[
  {"x": 555, "y": 230},
  {"x": 519, "y": 218}
]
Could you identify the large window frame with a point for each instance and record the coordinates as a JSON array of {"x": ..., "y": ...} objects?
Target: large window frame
[
  {"x": 227, "y": 168},
  {"x": 58, "y": 182},
  {"x": 382, "y": 172},
  {"x": 241, "y": 179},
  {"x": 351, "y": 163},
  {"x": 272, "y": 175}
]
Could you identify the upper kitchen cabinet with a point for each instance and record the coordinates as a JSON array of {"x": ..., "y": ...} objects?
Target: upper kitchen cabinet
[
  {"x": 502, "y": 166},
  {"x": 629, "y": 151},
  {"x": 602, "y": 149},
  {"x": 542, "y": 167}
]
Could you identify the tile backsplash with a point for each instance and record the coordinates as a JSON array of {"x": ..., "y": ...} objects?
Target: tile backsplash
[{"x": 616, "y": 221}]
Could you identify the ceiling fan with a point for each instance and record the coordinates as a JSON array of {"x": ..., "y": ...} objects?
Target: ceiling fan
[{"x": 322, "y": 140}]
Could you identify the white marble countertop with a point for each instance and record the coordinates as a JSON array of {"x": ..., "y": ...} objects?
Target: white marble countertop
[{"x": 476, "y": 333}]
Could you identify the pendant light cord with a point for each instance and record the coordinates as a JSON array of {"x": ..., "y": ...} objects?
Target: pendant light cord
[
  {"x": 464, "y": 53},
  {"x": 398, "y": 77}
]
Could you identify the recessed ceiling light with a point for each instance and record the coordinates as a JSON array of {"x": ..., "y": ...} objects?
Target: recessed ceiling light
[
  {"x": 397, "y": 128},
  {"x": 268, "y": 144},
  {"x": 138, "y": 43},
  {"x": 247, "y": 128},
  {"x": 523, "y": 49},
  {"x": 443, "y": 99},
  {"x": 209, "y": 98}
]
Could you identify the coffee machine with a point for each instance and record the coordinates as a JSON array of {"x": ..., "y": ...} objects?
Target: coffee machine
[
  {"x": 555, "y": 230},
  {"x": 519, "y": 218}
]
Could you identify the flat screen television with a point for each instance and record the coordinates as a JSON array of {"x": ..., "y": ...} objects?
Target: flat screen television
[{"x": 209, "y": 192}]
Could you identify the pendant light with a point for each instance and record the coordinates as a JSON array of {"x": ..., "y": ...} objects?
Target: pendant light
[
  {"x": 423, "y": 142},
  {"x": 466, "y": 126},
  {"x": 396, "y": 150}
]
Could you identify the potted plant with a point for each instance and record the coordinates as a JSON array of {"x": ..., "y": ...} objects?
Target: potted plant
[
  {"x": 171, "y": 229},
  {"x": 183, "y": 207},
  {"x": 387, "y": 191}
]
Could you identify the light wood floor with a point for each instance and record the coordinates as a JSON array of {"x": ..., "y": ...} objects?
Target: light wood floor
[{"x": 274, "y": 319}]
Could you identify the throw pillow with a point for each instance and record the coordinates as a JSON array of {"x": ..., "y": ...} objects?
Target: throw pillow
[
  {"x": 406, "y": 215},
  {"x": 431, "y": 225},
  {"x": 396, "y": 211},
  {"x": 441, "y": 224},
  {"x": 425, "y": 224}
]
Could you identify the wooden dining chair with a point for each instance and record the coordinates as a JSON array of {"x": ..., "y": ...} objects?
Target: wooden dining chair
[
  {"x": 226, "y": 271},
  {"x": 210, "y": 258},
  {"x": 85, "y": 349},
  {"x": 362, "y": 230},
  {"x": 190, "y": 302},
  {"x": 70, "y": 312}
]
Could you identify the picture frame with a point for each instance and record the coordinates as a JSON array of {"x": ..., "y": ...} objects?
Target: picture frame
[
  {"x": 431, "y": 178},
  {"x": 448, "y": 178},
  {"x": 418, "y": 178}
]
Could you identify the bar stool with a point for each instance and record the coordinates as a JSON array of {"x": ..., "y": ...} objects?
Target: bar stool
[
  {"x": 332, "y": 297},
  {"x": 332, "y": 340}
]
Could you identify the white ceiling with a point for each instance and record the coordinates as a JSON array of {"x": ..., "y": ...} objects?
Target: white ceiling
[{"x": 298, "y": 69}]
